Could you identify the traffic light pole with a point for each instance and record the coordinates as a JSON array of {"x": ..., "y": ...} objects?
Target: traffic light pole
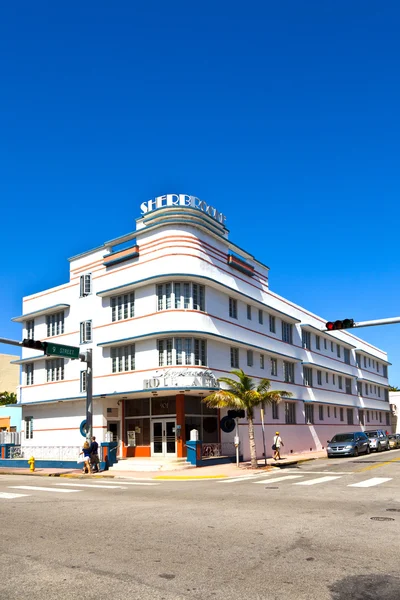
[
  {"x": 10, "y": 342},
  {"x": 373, "y": 323},
  {"x": 87, "y": 358}
]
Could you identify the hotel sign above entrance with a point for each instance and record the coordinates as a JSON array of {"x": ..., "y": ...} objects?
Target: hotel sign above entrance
[
  {"x": 170, "y": 200},
  {"x": 185, "y": 378}
]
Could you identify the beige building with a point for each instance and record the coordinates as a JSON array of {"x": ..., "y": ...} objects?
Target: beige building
[{"x": 9, "y": 374}]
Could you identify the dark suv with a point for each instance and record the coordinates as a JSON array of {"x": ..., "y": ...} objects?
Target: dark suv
[{"x": 348, "y": 444}]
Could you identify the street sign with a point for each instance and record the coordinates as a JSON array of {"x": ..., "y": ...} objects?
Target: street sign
[{"x": 58, "y": 350}]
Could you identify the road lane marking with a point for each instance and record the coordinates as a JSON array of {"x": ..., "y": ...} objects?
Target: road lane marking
[
  {"x": 243, "y": 478},
  {"x": 123, "y": 483},
  {"x": 379, "y": 464},
  {"x": 371, "y": 482},
  {"x": 283, "y": 478},
  {"x": 10, "y": 496},
  {"x": 325, "y": 472},
  {"x": 93, "y": 485},
  {"x": 317, "y": 481},
  {"x": 33, "y": 488}
]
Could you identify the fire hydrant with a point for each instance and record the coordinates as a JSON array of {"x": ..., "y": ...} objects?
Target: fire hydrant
[{"x": 31, "y": 463}]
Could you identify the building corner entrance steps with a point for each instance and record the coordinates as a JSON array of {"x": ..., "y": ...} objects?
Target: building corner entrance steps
[{"x": 150, "y": 464}]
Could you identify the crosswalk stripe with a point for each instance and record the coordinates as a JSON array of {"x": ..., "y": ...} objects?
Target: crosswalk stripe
[
  {"x": 371, "y": 482},
  {"x": 283, "y": 478},
  {"x": 33, "y": 488},
  {"x": 93, "y": 485},
  {"x": 242, "y": 478},
  {"x": 9, "y": 496},
  {"x": 317, "y": 481}
]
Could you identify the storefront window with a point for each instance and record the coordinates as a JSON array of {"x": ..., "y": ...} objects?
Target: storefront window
[
  {"x": 141, "y": 427},
  {"x": 163, "y": 406},
  {"x": 137, "y": 407}
]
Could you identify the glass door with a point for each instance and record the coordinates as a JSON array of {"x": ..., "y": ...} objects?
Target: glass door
[{"x": 163, "y": 438}]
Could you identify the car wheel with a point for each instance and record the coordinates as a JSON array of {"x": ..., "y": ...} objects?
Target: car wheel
[
  {"x": 355, "y": 453},
  {"x": 368, "y": 450}
]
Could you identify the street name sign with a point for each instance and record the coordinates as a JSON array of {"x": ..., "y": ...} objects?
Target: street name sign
[{"x": 65, "y": 351}]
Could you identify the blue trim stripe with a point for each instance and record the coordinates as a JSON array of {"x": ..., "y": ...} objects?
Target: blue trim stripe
[
  {"x": 195, "y": 276},
  {"x": 327, "y": 334},
  {"x": 311, "y": 364},
  {"x": 40, "y": 312},
  {"x": 108, "y": 263},
  {"x": 373, "y": 356},
  {"x": 202, "y": 334}
]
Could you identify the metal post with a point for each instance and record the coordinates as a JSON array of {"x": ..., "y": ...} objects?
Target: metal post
[
  {"x": 237, "y": 440},
  {"x": 89, "y": 395},
  {"x": 10, "y": 342},
  {"x": 263, "y": 434}
]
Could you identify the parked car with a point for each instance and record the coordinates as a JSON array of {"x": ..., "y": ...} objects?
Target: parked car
[
  {"x": 378, "y": 440},
  {"x": 394, "y": 440},
  {"x": 348, "y": 444}
]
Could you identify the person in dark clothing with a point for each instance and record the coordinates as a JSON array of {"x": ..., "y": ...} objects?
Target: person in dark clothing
[{"x": 94, "y": 456}]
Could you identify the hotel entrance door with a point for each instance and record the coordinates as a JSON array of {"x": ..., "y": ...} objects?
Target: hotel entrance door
[{"x": 163, "y": 441}]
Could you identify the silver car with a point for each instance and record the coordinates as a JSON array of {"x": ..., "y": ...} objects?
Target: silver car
[
  {"x": 348, "y": 444},
  {"x": 378, "y": 440}
]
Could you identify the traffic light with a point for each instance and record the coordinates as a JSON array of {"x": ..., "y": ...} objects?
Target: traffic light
[
  {"x": 35, "y": 345},
  {"x": 236, "y": 414},
  {"x": 335, "y": 325}
]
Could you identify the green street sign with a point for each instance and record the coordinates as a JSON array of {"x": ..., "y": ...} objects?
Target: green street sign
[{"x": 65, "y": 351}]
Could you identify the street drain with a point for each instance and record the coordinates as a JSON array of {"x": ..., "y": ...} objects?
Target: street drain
[
  {"x": 382, "y": 519},
  {"x": 272, "y": 487},
  {"x": 393, "y": 510}
]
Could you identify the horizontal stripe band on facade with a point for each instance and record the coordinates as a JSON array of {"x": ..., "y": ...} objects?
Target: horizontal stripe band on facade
[{"x": 40, "y": 312}]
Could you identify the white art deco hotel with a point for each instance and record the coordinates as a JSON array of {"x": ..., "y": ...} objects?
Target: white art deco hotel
[{"x": 167, "y": 310}]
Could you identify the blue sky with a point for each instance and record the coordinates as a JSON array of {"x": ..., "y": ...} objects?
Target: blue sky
[{"x": 285, "y": 116}]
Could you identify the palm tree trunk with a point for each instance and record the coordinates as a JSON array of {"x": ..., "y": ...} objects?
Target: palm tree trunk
[{"x": 253, "y": 451}]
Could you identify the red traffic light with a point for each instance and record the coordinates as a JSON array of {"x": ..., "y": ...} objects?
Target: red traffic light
[
  {"x": 35, "y": 345},
  {"x": 337, "y": 325}
]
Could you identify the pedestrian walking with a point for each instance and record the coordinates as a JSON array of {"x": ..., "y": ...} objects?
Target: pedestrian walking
[
  {"x": 276, "y": 446},
  {"x": 86, "y": 458},
  {"x": 94, "y": 456}
]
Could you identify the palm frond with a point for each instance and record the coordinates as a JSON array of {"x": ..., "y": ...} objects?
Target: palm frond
[
  {"x": 263, "y": 386},
  {"x": 221, "y": 399}
]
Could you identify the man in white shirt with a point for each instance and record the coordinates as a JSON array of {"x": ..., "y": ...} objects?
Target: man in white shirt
[{"x": 276, "y": 446}]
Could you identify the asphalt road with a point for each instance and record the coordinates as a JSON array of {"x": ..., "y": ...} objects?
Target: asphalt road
[{"x": 304, "y": 533}]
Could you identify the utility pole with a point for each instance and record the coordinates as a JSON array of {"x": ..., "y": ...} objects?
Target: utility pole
[{"x": 87, "y": 357}]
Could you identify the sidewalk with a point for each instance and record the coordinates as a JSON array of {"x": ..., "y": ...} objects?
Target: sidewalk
[{"x": 213, "y": 472}]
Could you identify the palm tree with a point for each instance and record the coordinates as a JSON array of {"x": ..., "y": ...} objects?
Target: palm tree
[
  {"x": 394, "y": 388},
  {"x": 8, "y": 398},
  {"x": 245, "y": 395}
]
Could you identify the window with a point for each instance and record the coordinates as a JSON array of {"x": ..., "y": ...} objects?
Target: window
[
  {"x": 249, "y": 312},
  {"x": 375, "y": 389},
  {"x": 182, "y": 351},
  {"x": 386, "y": 393},
  {"x": 350, "y": 416},
  {"x": 346, "y": 355},
  {"x": 340, "y": 382},
  {"x": 341, "y": 414},
  {"x": 274, "y": 366},
  {"x": 30, "y": 325},
  {"x": 326, "y": 377},
  {"x": 83, "y": 381},
  {"x": 306, "y": 339},
  {"x": 387, "y": 418},
  {"x": 325, "y": 344},
  {"x": 385, "y": 371},
  {"x": 365, "y": 362},
  {"x": 287, "y": 332},
  {"x": 333, "y": 378},
  {"x": 318, "y": 342},
  {"x": 233, "y": 308},
  {"x": 370, "y": 387},
  {"x": 85, "y": 285},
  {"x": 379, "y": 392},
  {"x": 288, "y": 372},
  {"x": 260, "y": 317},
  {"x": 262, "y": 362},
  {"x": 307, "y": 376},
  {"x": 86, "y": 332},
  {"x": 361, "y": 417},
  {"x": 373, "y": 363},
  {"x": 55, "y": 324},
  {"x": 331, "y": 346},
  {"x": 338, "y": 350},
  {"x": 250, "y": 358},
  {"x": 29, "y": 374},
  {"x": 359, "y": 388},
  {"x": 180, "y": 295},
  {"x": 366, "y": 389},
  {"x": 290, "y": 413},
  {"x": 328, "y": 408},
  {"x": 380, "y": 417},
  {"x": 28, "y": 428},
  {"x": 123, "y": 307},
  {"x": 275, "y": 410},
  {"x": 272, "y": 324},
  {"x": 235, "y": 358},
  {"x": 369, "y": 362},
  {"x": 377, "y": 366},
  {"x": 376, "y": 415},
  {"x": 321, "y": 412},
  {"x": 55, "y": 369},
  {"x": 348, "y": 385},
  {"x": 309, "y": 413},
  {"x": 358, "y": 360},
  {"x": 123, "y": 358},
  {"x": 319, "y": 377},
  {"x": 367, "y": 416},
  {"x": 335, "y": 412}
]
